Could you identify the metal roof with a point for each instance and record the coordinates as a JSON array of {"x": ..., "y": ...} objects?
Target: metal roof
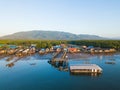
[{"x": 84, "y": 66}]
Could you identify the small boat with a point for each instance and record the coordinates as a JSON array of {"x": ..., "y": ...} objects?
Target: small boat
[
  {"x": 110, "y": 62},
  {"x": 32, "y": 63}
]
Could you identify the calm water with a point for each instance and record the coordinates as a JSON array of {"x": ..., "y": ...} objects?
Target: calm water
[{"x": 35, "y": 73}]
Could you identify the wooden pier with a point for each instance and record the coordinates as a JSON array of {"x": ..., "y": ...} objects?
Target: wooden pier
[
  {"x": 56, "y": 58},
  {"x": 85, "y": 68}
]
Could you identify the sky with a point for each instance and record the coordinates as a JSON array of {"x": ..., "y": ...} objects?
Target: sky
[{"x": 94, "y": 17}]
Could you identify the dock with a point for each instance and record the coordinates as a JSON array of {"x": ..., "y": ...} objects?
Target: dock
[
  {"x": 85, "y": 68},
  {"x": 59, "y": 59},
  {"x": 55, "y": 57}
]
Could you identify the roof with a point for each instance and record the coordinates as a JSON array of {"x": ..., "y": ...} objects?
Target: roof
[
  {"x": 2, "y": 44},
  {"x": 34, "y": 45},
  {"x": 72, "y": 48},
  {"x": 89, "y": 47},
  {"x": 12, "y": 46},
  {"x": 85, "y": 66}
]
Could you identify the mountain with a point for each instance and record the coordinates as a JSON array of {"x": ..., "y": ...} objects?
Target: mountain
[
  {"x": 50, "y": 35},
  {"x": 116, "y": 38}
]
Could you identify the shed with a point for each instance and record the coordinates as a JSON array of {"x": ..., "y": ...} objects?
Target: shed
[{"x": 85, "y": 68}]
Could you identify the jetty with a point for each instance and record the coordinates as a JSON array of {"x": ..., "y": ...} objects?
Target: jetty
[
  {"x": 59, "y": 61},
  {"x": 62, "y": 58},
  {"x": 85, "y": 68}
]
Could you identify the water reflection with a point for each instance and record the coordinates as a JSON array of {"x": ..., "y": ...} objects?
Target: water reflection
[
  {"x": 10, "y": 65},
  {"x": 64, "y": 65},
  {"x": 100, "y": 57},
  {"x": 11, "y": 60},
  {"x": 34, "y": 73},
  {"x": 60, "y": 65},
  {"x": 86, "y": 74},
  {"x": 110, "y": 61}
]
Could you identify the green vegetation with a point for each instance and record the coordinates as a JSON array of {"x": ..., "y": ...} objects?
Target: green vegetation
[
  {"x": 48, "y": 43},
  {"x": 39, "y": 43},
  {"x": 98, "y": 43}
]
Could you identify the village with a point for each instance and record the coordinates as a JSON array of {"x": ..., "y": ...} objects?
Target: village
[
  {"x": 21, "y": 51},
  {"x": 59, "y": 53},
  {"x": 29, "y": 50}
]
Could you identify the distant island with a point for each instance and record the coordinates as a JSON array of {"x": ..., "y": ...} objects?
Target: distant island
[{"x": 51, "y": 35}]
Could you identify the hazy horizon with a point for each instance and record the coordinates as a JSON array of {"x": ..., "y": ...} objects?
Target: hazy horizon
[{"x": 93, "y": 17}]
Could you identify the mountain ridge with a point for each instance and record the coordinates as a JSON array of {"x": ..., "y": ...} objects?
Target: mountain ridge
[{"x": 51, "y": 35}]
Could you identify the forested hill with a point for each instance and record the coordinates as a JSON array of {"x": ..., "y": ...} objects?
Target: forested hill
[{"x": 50, "y": 35}]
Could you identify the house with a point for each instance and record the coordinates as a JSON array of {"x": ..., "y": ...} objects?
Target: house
[
  {"x": 112, "y": 50},
  {"x": 84, "y": 47},
  {"x": 57, "y": 46},
  {"x": 58, "y": 49},
  {"x": 51, "y": 49},
  {"x": 25, "y": 51},
  {"x": 109, "y": 50},
  {"x": 11, "y": 51},
  {"x": 90, "y": 47},
  {"x": 72, "y": 49},
  {"x": 97, "y": 50},
  {"x": 65, "y": 49},
  {"x": 63, "y": 45},
  {"x": 32, "y": 50},
  {"x": 106, "y": 51},
  {"x": 19, "y": 52},
  {"x": 12, "y": 46},
  {"x": 47, "y": 50},
  {"x": 100, "y": 51},
  {"x": 2, "y": 51},
  {"x": 42, "y": 51},
  {"x": 33, "y": 45}
]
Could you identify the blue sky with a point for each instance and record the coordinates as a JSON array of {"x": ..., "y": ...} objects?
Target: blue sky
[{"x": 98, "y": 17}]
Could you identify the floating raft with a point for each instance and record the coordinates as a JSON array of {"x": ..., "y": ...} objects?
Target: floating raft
[
  {"x": 85, "y": 68},
  {"x": 110, "y": 62}
]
